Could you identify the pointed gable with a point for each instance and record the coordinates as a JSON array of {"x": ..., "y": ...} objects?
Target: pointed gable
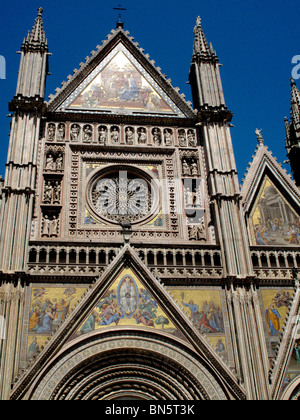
[
  {"x": 120, "y": 79},
  {"x": 127, "y": 303},
  {"x": 271, "y": 201},
  {"x": 148, "y": 301}
]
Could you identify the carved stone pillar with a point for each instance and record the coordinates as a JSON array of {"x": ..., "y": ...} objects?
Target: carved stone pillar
[
  {"x": 249, "y": 343},
  {"x": 12, "y": 305}
]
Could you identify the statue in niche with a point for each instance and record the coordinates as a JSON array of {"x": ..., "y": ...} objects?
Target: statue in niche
[
  {"x": 56, "y": 192},
  {"x": 59, "y": 162},
  {"x": 51, "y": 131},
  {"x": 189, "y": 198},
  {"x": 197, "y": 232},
  {"x": 194, "y": 168},
  {"x": 182, "y": 138},
  {"x": 53, "y": 228},
  {"x": 197, "y": 197},
  {"x": 115, "y": 136},
  {"x": 102, "y": 135},
  {"x": 186, "y": 170},
  {"x": 168, "y": 137},
  {"x": 87, "y": 133},
  {"x": 191, "y": 138},
  {"x": 49, "y": 162},
  {"x": 156, "y": 137},
  {"x": 192, "y": 197},
  {"x": 61, "y": 132},
  {"x": 75, "y": 131},
  {"x": 129, "y": 136},
  {"x": 46, "y": 226},
  {"x": 142, "y": 136},
  {"x": 48, "y": 193},
  {"x": 50, "y": 228}
]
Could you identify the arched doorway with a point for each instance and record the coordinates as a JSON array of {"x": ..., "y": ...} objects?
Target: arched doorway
[
  {"x": 126, "y": 367},
  {"x": 292, "y": 392}
]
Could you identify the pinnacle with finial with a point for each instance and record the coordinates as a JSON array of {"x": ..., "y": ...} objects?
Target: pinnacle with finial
[
  {"x": 201, "y": 47},
  {"x": 37, "y": 35},
  {"x": 259, "y": 137}
]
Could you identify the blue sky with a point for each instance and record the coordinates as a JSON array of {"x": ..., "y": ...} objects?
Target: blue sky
[{"x": 255, "y": 41}]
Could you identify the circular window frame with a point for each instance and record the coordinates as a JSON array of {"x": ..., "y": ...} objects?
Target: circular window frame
[{"x": 136, "y": 172}]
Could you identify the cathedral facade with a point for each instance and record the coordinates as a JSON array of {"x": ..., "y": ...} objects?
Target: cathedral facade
[{"x": 133, "y": 264}]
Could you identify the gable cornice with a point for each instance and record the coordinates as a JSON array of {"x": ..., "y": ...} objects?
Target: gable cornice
[
  {"x": 91, "y": 63},
  {"x": 265, "y": 163}
]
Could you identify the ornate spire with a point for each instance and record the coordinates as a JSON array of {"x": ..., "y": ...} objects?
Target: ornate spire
[
  {"x": 295, "y": 105},
  {"x": 37, "y": 35},
  {"x": 292, "y": 130},
  {"x": 201, "y": 46}
]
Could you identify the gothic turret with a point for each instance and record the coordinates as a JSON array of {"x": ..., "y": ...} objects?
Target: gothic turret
[
  {"x": 204, "y": 73},
  {"x": 34, "y": 61},
  {"x": 292, "y": 129},
  {"x": 27, "y": 107},
  {"x": 19, "y": 186},
  {"x": 214, "y": 116}
]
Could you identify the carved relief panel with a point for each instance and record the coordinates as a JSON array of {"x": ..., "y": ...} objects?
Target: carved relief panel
[{"x": 152, "y": 177}]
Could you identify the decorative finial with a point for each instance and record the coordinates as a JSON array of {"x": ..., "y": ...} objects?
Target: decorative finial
[
  {"x": 120, "y": 23},
  {"x": 259, "y": 136},
  {"x": 41, "y": 11},
  {"x": 201, "y": 46}
]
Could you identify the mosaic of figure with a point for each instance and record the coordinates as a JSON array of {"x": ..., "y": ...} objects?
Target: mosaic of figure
[
  {"x": 120, "y": 84},
  {"x": 208, "y": 318},
  {"x": 127, "y": 303},
  {"x": 46, "y": 308},
  {"x": 276, "y": 306},
  {"x": 273, "y": 220},
  {"x": 48, "y": 312}
]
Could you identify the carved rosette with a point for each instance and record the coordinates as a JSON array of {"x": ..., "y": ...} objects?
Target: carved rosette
[{"x": 122, "y": 194}]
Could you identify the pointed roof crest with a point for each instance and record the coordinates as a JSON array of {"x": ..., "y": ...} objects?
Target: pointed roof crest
[
  {"x": 200, "y": 43},
  {"x": 295, "y": 102},
  {"x": 37, "y": 35},
  {"x": 259, "y": 136}
]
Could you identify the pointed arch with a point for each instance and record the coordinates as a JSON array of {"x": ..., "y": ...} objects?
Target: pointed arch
[{"x": 104, "y": 366}]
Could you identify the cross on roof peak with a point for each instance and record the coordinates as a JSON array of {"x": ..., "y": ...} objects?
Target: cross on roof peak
[{"x": 120, "y": 23}]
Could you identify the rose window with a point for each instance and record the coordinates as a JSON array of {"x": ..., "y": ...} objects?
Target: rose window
[{"x": 122, "y": 194}]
